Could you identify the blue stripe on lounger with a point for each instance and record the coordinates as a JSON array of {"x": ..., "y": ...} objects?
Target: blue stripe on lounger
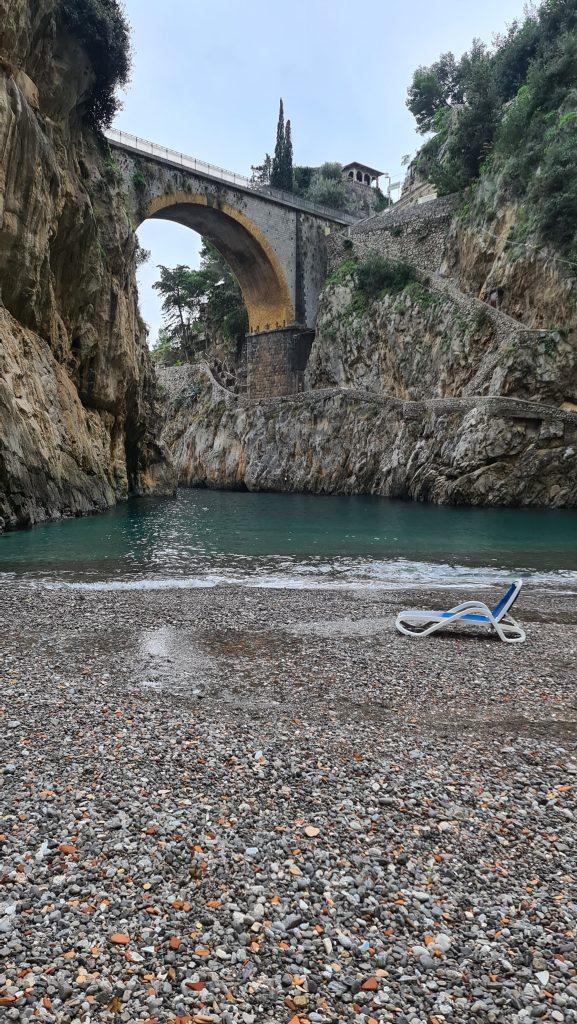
[
  {"x": 466, "y": 618},
  {"x": 499, "y": 607}
]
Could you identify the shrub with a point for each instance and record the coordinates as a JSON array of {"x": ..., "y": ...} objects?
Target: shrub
[
  {"x": 377, "y": 275},
  {"x": 102, "y": 30},
  {"x": 327, "y": 192},
  {"x": 423, "y": 296},
  {"x": 138, "y": 180},
  {"x": 342, "y": 272}
]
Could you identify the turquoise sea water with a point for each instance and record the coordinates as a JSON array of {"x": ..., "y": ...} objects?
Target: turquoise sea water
[{"x": 204, "y": 538}]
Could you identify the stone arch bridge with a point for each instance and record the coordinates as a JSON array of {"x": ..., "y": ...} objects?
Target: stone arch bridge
[{"x": 274, "y": 243}]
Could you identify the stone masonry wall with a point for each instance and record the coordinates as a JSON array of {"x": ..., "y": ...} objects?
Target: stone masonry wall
[
  {"x": 417, "y": 234},
  {"x": 276, "y": 361}
]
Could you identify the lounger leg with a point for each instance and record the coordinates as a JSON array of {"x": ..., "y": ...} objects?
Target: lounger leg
[
  {"x": 508, "y": 639},
  {"x": 418, "y": 632}
]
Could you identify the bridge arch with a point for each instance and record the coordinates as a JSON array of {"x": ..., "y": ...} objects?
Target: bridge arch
[{"x": 248, "y": 253}]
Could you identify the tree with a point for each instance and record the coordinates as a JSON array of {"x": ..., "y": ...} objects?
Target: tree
[
  {"x": 287, "y": 163},
  {"x": 278, "y": 171},
  {"x": 180, "y": 307},
  {"x": 223, "y": 313},
  {"x": 470, "y": 128},
  {"x": 434, "y": 88},
  {"x": 200, "y": 307},
  {"x": 166, "y": 350},
  {"x": 277, "y": 176},
  {"x": 302, "y": 178},
  {"x": 260, "y": 173},
  {"x": 281, "y": 175},
  {"x": 332, "y": 170},
  {"x": 511, "y": 113},
  {"x": 103, "y": 32},
  {"x": 327, "y": 191}
]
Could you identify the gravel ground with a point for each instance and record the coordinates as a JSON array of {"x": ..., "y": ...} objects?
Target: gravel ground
[{"x": 264, "y": 806}]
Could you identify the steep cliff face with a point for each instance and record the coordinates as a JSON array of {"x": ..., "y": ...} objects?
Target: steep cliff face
[
  {"x": 536, "y": 284},
  {"x": 474, "y": 451},
  {"x": 78, "y": 417},
  {"x": 432, "y": 341}
]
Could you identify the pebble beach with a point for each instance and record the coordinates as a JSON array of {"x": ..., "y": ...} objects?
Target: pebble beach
[{"x": 239, "y": 806}]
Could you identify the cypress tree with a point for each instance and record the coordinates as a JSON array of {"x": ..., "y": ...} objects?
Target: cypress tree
[
  {"x": 277, "y": 175},
  {"x": 288, "y": 159}
]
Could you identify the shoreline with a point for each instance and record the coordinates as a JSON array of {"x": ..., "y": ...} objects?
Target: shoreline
[{"x": 235, "y": 804}]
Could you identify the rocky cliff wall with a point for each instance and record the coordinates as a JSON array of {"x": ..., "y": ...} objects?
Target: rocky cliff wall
[
  {"x": 480, "y": 246},
  {"x": 424, "y": 393},
  {"x": 345, "y": 441},
  {"x": 78, "y": 416},
  {"x": 432, "y": 341},
  {"x": 535, "y": 284}
]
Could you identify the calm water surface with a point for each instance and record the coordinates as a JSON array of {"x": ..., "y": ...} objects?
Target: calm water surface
[{"x": 207, "y": 537}]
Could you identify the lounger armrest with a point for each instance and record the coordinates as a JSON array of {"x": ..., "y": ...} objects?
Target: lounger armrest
[{"x": 480, "y": 605}]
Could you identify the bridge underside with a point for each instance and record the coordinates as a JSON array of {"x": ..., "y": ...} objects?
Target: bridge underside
[
  {"x": 277, "y": 348},
  {"x": 249, "y": 255}
]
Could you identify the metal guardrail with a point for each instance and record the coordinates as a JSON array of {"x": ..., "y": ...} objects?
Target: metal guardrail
[{"x": 123, "y": 140}]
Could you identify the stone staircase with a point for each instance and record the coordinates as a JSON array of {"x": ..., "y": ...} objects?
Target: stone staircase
[{"x": 232, "y": 377}]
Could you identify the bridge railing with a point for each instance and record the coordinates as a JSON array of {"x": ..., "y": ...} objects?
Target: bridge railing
[{"x": 124, "y": 140}]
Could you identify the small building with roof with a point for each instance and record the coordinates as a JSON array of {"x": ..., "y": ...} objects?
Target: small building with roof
[{"x": 360, "y": 174}]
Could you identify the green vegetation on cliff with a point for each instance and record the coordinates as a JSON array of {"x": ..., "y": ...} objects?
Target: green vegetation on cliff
[
  {"x": 101, "y": 28},
  {"x": 374, "y": 277},
  {"x": 509, "y": 114},
  {"x": 323, "y": 185}
]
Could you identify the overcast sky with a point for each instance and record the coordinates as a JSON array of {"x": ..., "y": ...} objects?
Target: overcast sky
[{"x": 208, "y": 74}]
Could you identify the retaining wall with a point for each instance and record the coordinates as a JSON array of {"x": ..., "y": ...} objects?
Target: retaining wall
[{"x": 417, "y": 234}]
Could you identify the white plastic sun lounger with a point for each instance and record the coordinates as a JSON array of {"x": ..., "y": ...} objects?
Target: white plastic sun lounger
[{"x": 475, "y": 613}]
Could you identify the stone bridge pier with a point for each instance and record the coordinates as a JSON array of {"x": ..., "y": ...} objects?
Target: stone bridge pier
[
  {"x": 276, "y": 361},
  {"x": 274, "y": 243}
]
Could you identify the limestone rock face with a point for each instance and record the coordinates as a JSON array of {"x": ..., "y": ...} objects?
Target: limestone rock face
[
  {"x": 432, "y": 341},
  {"x": 78, "y": 416},
  {"x": 427, "y": 393},
  {"x": 471, "y": 451},
  {"x": 537, "y": 286}
]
